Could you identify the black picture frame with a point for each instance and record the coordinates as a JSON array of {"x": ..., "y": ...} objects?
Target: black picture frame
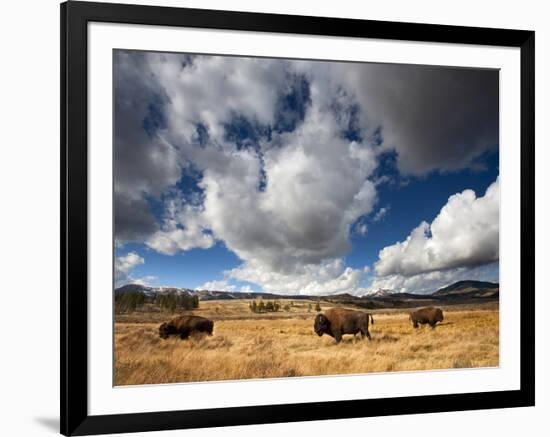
[{"x": 75, "y": 17}]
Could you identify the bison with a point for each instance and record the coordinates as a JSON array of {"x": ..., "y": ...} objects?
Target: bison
[
  {"x": 184, "y": 326},
  {"x": 338, "y": 321},
  {"x": 429, "y": 315}
]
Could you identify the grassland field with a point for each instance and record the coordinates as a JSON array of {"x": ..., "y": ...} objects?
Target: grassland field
[{"x": 248, "y": 345}]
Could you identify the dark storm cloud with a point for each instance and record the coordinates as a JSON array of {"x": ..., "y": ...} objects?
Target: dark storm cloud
[
  {"x": 437, "y": 119},
  {"x": 143, "y": 164},
  {"x": 133, "y": 219}
]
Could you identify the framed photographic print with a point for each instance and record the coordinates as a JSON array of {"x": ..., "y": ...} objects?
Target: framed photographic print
[{"x": 270, "y": 218}]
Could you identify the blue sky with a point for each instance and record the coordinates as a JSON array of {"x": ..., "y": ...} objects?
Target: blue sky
[{"x": 303, "y": 177}]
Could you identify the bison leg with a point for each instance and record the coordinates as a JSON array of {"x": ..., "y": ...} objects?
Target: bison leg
[
  {"x": 432, "y": 324},
  {"x": 365, "y": 333},
  {"x": 184, "y": 335},
  {"x": 415, "y": 324},
  {"x": 338, "y": 336}
]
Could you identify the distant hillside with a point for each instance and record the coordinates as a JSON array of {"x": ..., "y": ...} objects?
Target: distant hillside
[
  {"x": 135, "y": 288},
  {"x": 459, "y": 292},
  {"x": 468, "y": 288},
  {"x": 203, "y": 294}
]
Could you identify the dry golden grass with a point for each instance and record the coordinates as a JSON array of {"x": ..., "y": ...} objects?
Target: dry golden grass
[{"x": 246, "y": 345}]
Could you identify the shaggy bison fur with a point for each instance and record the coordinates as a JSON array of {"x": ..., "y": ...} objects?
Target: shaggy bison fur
[
  {"x": 338, "y": 321},
  {"x": 184, "y": 326},
  {"x": 429, "y": 315}
]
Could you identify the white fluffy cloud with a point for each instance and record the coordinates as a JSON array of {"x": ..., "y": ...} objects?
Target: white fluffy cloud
[
  {"x": 221, "y": 285},
  {"x": 125, "y": 264},
  {"x": 315, "y": 190},
  {"x": 224, "y": 285},
  {"x": 212, "y": 89},
  {"x": 315, "y": 182},
  {"x": 183, "y": 229},
  {"x": 328, "y": 277},
  {"x": 464, "y": 234},
  {"x": 144, "y": 280}
]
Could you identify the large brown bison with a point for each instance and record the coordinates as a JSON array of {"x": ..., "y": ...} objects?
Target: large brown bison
[
  {"x": 338, "y": 321},
  {"x": 184, "y": 326},
  {"x": 429, "y": 315}
]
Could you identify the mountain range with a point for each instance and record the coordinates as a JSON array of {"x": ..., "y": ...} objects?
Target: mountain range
[{"x": 456, "y": 292}]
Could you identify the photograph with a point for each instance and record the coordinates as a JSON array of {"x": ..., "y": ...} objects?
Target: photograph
[{"x": 278, "y": 218}]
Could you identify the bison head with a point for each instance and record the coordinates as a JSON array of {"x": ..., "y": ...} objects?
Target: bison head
[
  {"x": 439, "y": 315},
  {"x": 321, "y": 325},
  {"x": 165, "y": 330}
]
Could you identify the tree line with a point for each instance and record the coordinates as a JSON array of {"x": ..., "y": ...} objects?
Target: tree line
[
  {"x": 129, "y": 302},
  {"x": 264, "y": 307},
  {"x": 274, "y": 306},
  {"x": 172, "y": 302}
]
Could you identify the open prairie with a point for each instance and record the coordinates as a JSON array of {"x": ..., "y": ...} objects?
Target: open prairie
[{"x": 247, "y": 345}]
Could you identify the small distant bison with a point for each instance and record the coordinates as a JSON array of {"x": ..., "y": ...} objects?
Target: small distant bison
[
  {"x": 184, "y": 326},
  {"x": 429, "y": 315},
  {"x": 338, "y": 321}
]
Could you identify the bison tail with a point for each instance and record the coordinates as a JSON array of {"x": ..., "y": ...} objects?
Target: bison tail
[{"x": 371, "y": 319}]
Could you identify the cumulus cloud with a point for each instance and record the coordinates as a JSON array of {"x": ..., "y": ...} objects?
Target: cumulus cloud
[
  {"x": 314, "y": 191},
  {"x": 328, "y": 277},
  {"x": 183, "y": 229},
  {"x": 144, "y": 280},
  {"x": 167, "y": 106},
  {"x": 221, "y": 285},
  {"x": 224, "y": 285},
  {"x": 464, "y": 234},
  {"x": 285, "y": 203},
  {"x": 125, "y": 264}
]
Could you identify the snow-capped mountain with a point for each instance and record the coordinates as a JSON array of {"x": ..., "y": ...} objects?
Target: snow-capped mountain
[{"x": 381, "y": 292}]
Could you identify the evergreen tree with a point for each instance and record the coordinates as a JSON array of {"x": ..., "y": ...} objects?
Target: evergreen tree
[
  {"x": 129, "y": 302},
  {"x": 261, "y": 306}
]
